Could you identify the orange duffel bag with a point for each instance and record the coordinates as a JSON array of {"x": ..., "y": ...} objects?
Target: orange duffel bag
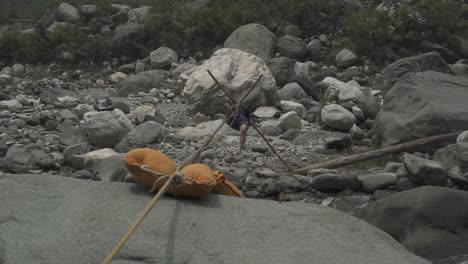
[{"x": 152, "y": 168}]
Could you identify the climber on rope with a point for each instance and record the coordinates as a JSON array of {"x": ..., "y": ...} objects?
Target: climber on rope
[{"x": 239, "y": 119}]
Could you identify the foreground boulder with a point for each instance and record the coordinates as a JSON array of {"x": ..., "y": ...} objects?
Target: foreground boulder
[
  {"x": 237, "y": 71},
  {"x": 255, "y": 39},
  {"x": 48, "y": 210},
  {"x": 423, "y": 104},
  {"x": 430, "y": 221},
  {"x": 431, "y": 61}
]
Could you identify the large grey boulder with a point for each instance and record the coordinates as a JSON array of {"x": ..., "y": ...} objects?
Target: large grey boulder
[
  {"x": 106, "y": 129},
  {"x": 430, "y": 221},
  {"x": 41, "y": 213},
  {"x": 423, "y": 171},
  {"x": 423, "y": 104},
  {"x": 255, "y": 39},
  {"x": 18, "y": 160},
  {"x": 143, "y": 135},
  {"x": 292, "y": 92},
  {"x": 127, "y": 33},
  {"x": 345, "y": 58},
  {"x": 292, "y": 47},
  {"x": 142, "y": 82},
  {"x": 163, "y": 57},
  {"x": 68, "y": 13},
  {"x": 237, "y": 71},
  {"x": 431, "y": 61},
  {"x": 282, "y": 69},
  {"x": 336, "y": 116}
]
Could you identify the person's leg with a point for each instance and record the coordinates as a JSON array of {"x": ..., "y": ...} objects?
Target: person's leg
[{"x": 243, "y": 135}]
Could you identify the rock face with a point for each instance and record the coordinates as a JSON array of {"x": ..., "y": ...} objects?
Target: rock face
[
  {"x": 163, "y": 58},
  {"x": 84, "y": 210},
  {"x": 431, "y": 61},
  {"x": 142, "y": 82},
  {"x": 428, "y": 220},
  {"x": 419, "y": 103},
  {"x": 106, "y": 129},
  {"x": 255, "y": 39},
  {"x": 237, "y": 71},
  {"x": 336, "y": 116}
]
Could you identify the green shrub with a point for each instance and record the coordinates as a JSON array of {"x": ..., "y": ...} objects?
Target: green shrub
[{"x": 16, "y": 47}]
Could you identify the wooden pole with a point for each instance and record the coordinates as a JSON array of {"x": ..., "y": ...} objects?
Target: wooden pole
[{"x": 373, "y": 154}]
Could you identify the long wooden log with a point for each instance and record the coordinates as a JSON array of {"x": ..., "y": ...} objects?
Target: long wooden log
[{"x": 373, "y": 154}]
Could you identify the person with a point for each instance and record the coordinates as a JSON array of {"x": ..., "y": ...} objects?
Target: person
[{"x": 238, "y": 119}]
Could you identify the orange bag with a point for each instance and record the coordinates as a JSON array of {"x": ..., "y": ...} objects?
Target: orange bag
[{"x": 196, "y": 181}]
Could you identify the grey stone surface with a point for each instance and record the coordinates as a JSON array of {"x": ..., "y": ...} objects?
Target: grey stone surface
[
  {"x": 105, "y": 165},
  {"x": 431, "y": 61},
  {"x": 143, "y": 135},
  {"x": 49, "y": 219},
  {"x": 336, "y": 116},
  {"x": 282, "y": 69},
  {"x": 424, "y": 171},
  {"x": 292, "y": 47},
  {"x": 419, "y": 103},
  {"x": 430, "y": 221},
  {"x": 163, "y": 57},
  {"x": 142, "y": 82},
  {"x": 255, "y": 39},
  {"x": 374, "y": 181}
]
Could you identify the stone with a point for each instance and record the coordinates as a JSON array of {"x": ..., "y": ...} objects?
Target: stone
[
  {"x": 374, "y": 181},
  {"x": 163, "y": 57},
  {"x": 454, "y": 155},
  {"x": 118, "y": 8},
  {"x": 146, "y": 113},
  {"x": 253, "y": 38},
  {"x": 270, "y": 187},
  {"x": 128, "y": 68},
  {"x": 18, "y": 70},
  {"x": 118, "y": 76},
  {"x": 463, "y": 137},
  {"x": 416, "y": 105},
  {"x": 426, "y": 220},
  {"x": 448, "y": 55},
  {"x": 139, "y": 15},
  {"x": 126, "y": 34},
  {"x": 330, "y": 140},
  {"x": 345, "y": 58},
  {"x": 106, "y": 129},
  {"x": 81, "y": 109},
  {"x": 266, "y": 112},
  {"x": 71, "y": 155},
  {"x": 357, "y": 133},
  {"x": 288, "y": 106},
  {"x": 11, "y": 105},
  {"x": 282, "y": 69},
  {"x": 73, "y": 204},
  {"x": 292, "y": 47},
  {"x": 267, "y": 173},
  {"x": 88, "y": 10},
  {"x": 68, "y": 13},
  {"x": 42, "y": 160},
  {"x": 290, "y": 120},
  {"x": 343, "y": 93},
  {"x": 142, "y": 136},
  {"x": 142, "y": 82},
  {"x": 404, "y": 183},
  {"x": 332, "y": 182},
  {"x": 292, "y": 92},
  {"x": 271, "y": 128},
  {"x": 456, "y": 175},
  {"x": 393, "y": 166},
  {"x": 324, "y": 40},
  {"x": 18, "y": 160},
  {"x": 336, "y": 116},
  {"x": 105, "y": 165},
  {"x": 459, "y": 69},
  {"x": 423, "y": 171},
  {"x": 431, "y": 61},
  {"x": 236, "y": 71},
  {"x": 199, "y": 132},
  {"x": 71, "y": 136},
  {"x": 260, "y": 148},
  {"x": 290, "y": 183},
  {"x": 314, "y": 47}
]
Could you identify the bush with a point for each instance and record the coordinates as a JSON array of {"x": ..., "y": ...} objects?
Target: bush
[
  {"x": 406, "y": 26},
  {"x": 19, "y": 48}
]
